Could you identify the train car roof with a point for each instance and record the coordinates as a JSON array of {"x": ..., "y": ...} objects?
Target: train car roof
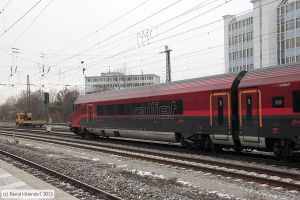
[
  {"x": 271, "y": 75},
  {"x": 215, "y": 82}
]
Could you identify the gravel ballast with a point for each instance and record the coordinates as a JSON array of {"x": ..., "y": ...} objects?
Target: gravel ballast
[{"x": 135, "y": 179}]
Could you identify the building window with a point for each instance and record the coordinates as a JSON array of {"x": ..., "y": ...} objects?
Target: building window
[
  {"x": 298, "y": 22},
  {"x": 297, "y": 41},
  {"x": 282, "y": 27},
  {"x": 282, "y": 10},
  {"x": 298, "y": 5}
]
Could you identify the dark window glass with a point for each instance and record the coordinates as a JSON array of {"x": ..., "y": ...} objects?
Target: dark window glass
[
  {"x": 115, "y": 110},
  {"x": 220, "y": 111},
  {"x": 110, "y": 110},
  {"x": 278, "y": 102},
  {"x": 249, "y": 109},
  {"x": 171, "y": 107},
  {"x": 296, "y": 101},
  {"x": 121, "y": 109},
  {"x": 128, "y": 109},
  {"x": 99, "y": 110}
]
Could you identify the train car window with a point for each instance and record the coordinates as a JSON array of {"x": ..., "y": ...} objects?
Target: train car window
[
  {"x": 115, "y": 110},
  {"x": 121, "y": 109},
  {"x": 99, "y": 111},
  {"x": 128, "y": 109},
  {"x": 220, "y": 111},
  {"x": 249, "y": 109},
  {"x": 278, "y": 102},
  {"x": 110, "y": 110},
  {"x": 296, "y": 101}
]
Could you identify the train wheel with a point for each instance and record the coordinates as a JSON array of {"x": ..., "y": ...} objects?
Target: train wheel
[
  {"x": 184, "y": 143},
  {"x": 217, "y": 147},
  {"x": 238, "y": 149},
  {"x": 208, "y": 145},
  {"x": 277, "y": 149}
]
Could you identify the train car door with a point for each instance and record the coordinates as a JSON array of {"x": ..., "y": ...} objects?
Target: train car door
[
  {"x": 221, "y": 118},
  {"x": 90, "y": 113},
  {"x": 250, "y": 115}
]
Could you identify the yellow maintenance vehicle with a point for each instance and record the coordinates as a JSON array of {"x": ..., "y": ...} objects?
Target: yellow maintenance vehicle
[{"x": 25, "y": 120}]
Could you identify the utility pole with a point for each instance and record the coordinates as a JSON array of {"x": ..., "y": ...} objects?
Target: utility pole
[
  {"x": 168, "y": 64},
  {"x": 28, "y": 95}
]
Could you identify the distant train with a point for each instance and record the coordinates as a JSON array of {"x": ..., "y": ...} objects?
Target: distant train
[{"x": 258, "y": 109}]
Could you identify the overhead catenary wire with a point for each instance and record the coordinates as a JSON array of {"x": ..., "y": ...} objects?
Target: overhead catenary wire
[
  {"x": 173, "y": 35},
  {"x": 188, "y": 11},
  {"x": 135, "y": 46},
  {"x": 21, "y": 18},
  {"x": 5, "y": 6},
  {"x": 103, "y": 27},
  {"x": 211, "y": 48},
  {"x": 127, "y": 28},
  {"x": 132, "y": 48},
  {"x": 28, "y": 26}
]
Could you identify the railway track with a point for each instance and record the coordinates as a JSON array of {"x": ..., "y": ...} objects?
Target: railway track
[
  {"x": 258, "y": 157},
  {"x": 93, "y": 190},
  {"x": 277, "y": 178}
]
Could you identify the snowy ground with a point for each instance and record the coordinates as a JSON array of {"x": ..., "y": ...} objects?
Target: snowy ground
[{"x": 136, "y": 179}]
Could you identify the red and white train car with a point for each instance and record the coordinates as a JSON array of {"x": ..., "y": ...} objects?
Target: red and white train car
[{"x": 256, "y": 109}]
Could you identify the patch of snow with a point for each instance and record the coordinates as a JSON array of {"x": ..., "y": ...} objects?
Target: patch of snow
[
  {"x": 149, "y": 174},
  {"x": 221, "y": 195},
  {"x": 184, "y": 182},
  {"x": 275, "y": 178},
  {"x": 122, "y": 166}
]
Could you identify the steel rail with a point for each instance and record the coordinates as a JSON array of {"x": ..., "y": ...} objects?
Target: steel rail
[
  {"x": 92, "y": 189},
  {"x": 185, "y": 162},
  {"x": 190, "y": 159}
]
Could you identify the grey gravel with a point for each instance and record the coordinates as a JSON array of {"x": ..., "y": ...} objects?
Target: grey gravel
[
  {"x": 125, "y": 184},
  {"x": 123, "y": 175},
  {"x": 71, "y": 189}
]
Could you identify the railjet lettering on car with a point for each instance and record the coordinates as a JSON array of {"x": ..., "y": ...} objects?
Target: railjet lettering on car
[
  {"x": 155, "y": 111},
  {"x": 284, "y": 84}
]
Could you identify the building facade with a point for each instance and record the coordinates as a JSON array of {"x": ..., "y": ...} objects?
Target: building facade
[
  {"x": 116, "y": 80},
  {"x": 266, "y": 36}
]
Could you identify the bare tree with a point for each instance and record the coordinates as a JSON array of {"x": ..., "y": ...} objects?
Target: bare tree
[{"x": 60, "y": 106}]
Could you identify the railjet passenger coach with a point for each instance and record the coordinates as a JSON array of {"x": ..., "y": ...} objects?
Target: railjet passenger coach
[{"x": 258, "y": 109}]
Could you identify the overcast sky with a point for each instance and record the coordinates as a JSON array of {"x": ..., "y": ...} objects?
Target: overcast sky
[{"x": 108, "y": 34}]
